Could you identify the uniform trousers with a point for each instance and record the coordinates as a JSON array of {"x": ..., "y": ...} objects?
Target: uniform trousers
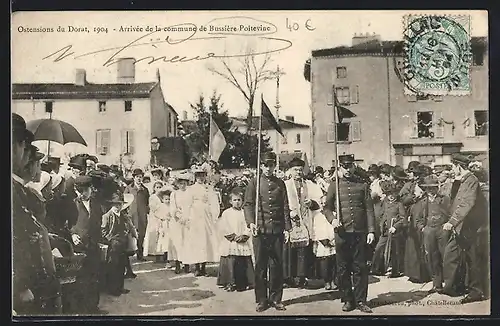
[
  {"x": 268, "y": 250},
  {"x": 460, "y": 250},
  {"x": 435, "y": 241},
  {"x": 351, "y": 263}
]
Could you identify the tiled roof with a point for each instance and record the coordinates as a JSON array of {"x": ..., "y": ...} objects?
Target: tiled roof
[
  {"x": 88, "y": 91},
  {"x": 285, "y": 124},
  {"x": 384, "y": 47}
]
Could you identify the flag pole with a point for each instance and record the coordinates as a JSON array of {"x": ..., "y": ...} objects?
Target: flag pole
[
  {"x": 335, "y": 150},
  {"x": 258, "y": 164},
  {"x": 209, "y": 134}
]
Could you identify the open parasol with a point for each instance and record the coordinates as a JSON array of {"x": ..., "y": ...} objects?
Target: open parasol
[{"x": 55, "y": 130}]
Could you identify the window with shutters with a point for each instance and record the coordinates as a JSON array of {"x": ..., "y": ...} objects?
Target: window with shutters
[
  {"x": 49, "y": 106},
  {"x": 355, "y": 131},
  {"x": 343, "y": 95},
  {"x": 424, "y": 122},
  {"x": 341, "y": 72},
  {"x": 412, "y": 128},
  {"x": 103, "y": 141},
  {"x": 354, "y": 93},
  {"x": 297, "y": 139},
  {"x": 128, "y": 106},
  {"x": 343, "y": 132},
  {"x": 128, "y": 142},
  {"x": 480, "y": 123},
  {"x": 102, "y": 106},
  {"x": 438, "y": 125}
]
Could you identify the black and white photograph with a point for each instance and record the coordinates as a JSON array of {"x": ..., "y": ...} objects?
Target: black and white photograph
[{"x": 250, "y": 163}]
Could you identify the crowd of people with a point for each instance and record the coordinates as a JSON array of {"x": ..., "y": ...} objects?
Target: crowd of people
[{"x": 75, "y": 229}]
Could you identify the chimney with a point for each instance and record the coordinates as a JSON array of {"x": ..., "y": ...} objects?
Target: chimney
[
  {"x": 184, "y": 115},
  {"x": 290, "y": 118},
  {"x": 126, "y": 71},
  {"x": 360, "y": 39},
  {"x": 80, "y": 77}
]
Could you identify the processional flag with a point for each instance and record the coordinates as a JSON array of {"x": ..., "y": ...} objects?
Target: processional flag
[
  {"x": 265, "y": 112},
  {"x": 217, "y": 141}
]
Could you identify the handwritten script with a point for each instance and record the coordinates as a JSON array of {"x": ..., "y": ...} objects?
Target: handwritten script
[{"x": 158, "y": 37}]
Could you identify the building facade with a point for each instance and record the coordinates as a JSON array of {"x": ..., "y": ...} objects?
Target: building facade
[
  {"x": 390, "y": 126},
  {"x": 117, "y": 121}
]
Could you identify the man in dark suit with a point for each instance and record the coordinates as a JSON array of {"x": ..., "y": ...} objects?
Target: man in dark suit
[
  {"x": 354, "y": 228},
  {"x": 85, "y": 235},
  {"x": 26, "y": 253},
  {"x": 139, "y": 209},
  {"x": 270, "y": 231},
  {"x": 468, "y": 215}
]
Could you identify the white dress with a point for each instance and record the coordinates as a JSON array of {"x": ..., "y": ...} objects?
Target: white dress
[
  {"x": 323, "y": 230},
  {"x": 179, "y": 208},
  {"x": 233, "y": 221},
  {"x": 201, "y": 234},
  {"x": 156, "y": 238}
]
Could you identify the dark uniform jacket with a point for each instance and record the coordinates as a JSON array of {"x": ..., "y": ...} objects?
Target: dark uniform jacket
[
  {"x": 432, "y": 214},
  {"x": 139, "y": 209},
  {"x": 468, "y": 207},
  {"x": 274, "y": 213},
  {"x": 356, "y": 207},
  {"x": 27, "y": 257},
  {"x": 88, "y": 224}
]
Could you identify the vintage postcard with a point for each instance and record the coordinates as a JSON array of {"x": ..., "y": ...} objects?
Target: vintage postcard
[{"x": 203, "y": 163}]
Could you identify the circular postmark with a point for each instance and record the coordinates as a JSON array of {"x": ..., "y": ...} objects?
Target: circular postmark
[{"x": 437, "y": 55}]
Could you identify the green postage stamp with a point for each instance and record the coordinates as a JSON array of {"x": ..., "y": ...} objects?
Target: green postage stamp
[{"x": 437, "y": 55}]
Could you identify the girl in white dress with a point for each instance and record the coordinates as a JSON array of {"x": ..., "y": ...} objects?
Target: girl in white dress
[
  {"x": 236, "y": 270},
  {"x": 179, "y": 208},
  {"x": 323, "y": 237},
  {"x": 201, "y": 229},
  {"x": 155, "y": 227}
]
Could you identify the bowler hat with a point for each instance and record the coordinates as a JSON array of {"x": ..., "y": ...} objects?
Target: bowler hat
[
  {"x": 319, "y": 170},
  {"x": 268, "y": 156},
  {"x": 386, "y": 169},
  {"x": 46, "y": 166},
  {"x": 104, "y": 168},
  {"x": 296, "y": 162},
  {"x": 93, "y": 158},
  {"x": 55, "y": 161},
  {"x": 19, "y": 128},
  {"x": 461, "y": 159},
  {"x": 412, "y": 166},
  {"x": 430, "y": 181},
  {"x": 117, "y": 198},
  {"x": 137, "y": 172},
  {"x": 83, "y": 181},
  {"x": 78, "y": 162},
  {"x": 35, "y": 154},
  {"x": 374, "y": 169},
  {"x": 346, "y": 159},
  {"x": 399, "y": 173}
]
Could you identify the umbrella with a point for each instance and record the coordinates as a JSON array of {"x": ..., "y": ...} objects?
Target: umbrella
[
  {"x": 55, "y": 130},
  {"x": 388, "y": 246}
]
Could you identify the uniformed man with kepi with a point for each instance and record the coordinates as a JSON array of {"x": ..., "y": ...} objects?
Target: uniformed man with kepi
[
  {"x": 354, "y": 228},
  {"x": 270, "y": 232}
]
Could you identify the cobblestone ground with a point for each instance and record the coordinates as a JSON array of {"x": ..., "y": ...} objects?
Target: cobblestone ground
[{"x": 158, "y": 291}]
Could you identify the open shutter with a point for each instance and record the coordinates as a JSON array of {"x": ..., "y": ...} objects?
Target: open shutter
[
  {"x": 355, "y": 131},
  {"x": 413, "y": 125},
  {"x": 105, "y": 141},
  {"x": 438, "y": 125},
  {"x": 330, "y": 134},
  {"x": 354, "y": 93},
  {"x": 470, "y": 124},
  {"x": 131, "y": 141},
  {"x": 98, "y": 141},
  {"x": 124, "y": 141}
]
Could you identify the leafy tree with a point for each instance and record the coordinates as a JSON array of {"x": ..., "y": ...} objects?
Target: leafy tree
[{"x": 241, "y": 149}]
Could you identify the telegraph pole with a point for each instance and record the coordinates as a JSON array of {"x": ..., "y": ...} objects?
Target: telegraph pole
[{"x": 278, "y": 73}]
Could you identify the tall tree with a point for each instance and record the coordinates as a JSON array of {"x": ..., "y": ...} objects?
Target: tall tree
[
  {"x": 241, "y": 149},
  {"x": 246, "y": 74}
]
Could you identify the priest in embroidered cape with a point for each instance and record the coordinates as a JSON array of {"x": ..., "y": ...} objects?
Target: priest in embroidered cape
[{"x": 298, "y": 252}]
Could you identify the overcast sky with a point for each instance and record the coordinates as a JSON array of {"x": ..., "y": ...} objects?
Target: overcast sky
[{"x": 183, "y": 82}]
